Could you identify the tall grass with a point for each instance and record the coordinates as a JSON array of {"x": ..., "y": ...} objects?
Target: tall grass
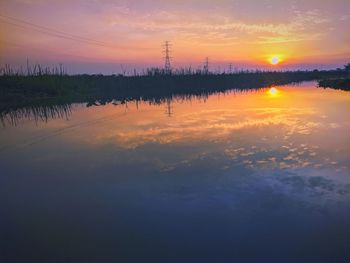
[
  {"x": 33, "y": 70},
  {"x": 37, "y": 85}
]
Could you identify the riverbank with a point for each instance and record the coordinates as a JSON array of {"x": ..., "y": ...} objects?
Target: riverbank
[
  {"x": 20, "y": 91},
  {"x": 342, "y": 83}
]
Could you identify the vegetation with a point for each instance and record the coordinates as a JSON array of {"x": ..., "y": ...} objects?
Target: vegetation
[
  {"x": 40, "y": 86},
  {"x": 342, "y": 83}
]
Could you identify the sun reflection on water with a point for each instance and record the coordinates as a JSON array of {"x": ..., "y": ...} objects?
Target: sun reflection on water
[{"x": 273, "y": 92}]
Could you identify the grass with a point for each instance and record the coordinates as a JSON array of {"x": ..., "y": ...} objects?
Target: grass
[
  {"x": 53, "y": 86},
  {"x": 340, "y": 83}
]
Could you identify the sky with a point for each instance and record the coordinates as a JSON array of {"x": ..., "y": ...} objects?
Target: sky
[{"x": 117, "y": 36}]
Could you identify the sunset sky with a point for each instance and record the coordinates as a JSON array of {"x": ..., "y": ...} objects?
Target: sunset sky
[{"x": 100, "y": 36}]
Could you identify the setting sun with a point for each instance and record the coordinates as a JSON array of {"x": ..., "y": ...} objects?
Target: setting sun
[
  {"x": 273, "y": 91},
  {"x": 275, "y": 60}
]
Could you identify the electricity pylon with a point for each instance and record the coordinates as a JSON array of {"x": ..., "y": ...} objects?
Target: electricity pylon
[
  {"x": 206, "y": 66},
  {"x": 167, "y": 57}
]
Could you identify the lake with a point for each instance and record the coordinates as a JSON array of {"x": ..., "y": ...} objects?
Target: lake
[{"x": 255, "y": 176}]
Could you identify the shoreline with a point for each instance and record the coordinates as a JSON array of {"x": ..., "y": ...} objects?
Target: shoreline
[{"x": 21, "y": 91}]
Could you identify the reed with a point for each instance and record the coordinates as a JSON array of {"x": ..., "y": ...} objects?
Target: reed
[{"x": 38, "y": 85}]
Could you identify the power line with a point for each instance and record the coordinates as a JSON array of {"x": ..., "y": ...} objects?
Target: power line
[
  {"x": 44, "y": 50},
  {"x": 53, "y": 33},
  {"x": 52, "y": 30},
  {"x": 57, "y": 33}
]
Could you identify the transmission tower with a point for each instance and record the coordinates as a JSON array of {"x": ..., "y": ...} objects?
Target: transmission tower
[
  {"x": 206, "y": 65},
  {"x": 167, "y": 58}
]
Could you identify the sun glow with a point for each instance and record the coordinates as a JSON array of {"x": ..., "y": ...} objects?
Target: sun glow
[
  {"x": 273, "y": 92},
  {"x": 275, "y": 60}
]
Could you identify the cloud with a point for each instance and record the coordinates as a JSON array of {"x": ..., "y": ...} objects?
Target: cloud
[
  {"x": 218, "y": 26},
  {"x": 212, "y": 125},
  {"x": 286, "y": 39},
  {"x": 344, "y": 18}
]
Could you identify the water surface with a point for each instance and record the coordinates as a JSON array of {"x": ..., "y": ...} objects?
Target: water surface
[{"x": 258, "y": 176}]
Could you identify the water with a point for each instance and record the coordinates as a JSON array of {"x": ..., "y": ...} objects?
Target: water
[{"x": 259, "y": 176}]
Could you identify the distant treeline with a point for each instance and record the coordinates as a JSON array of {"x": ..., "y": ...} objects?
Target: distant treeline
[
  {"x": 45, "y": 86},
  {"x": 341, "y": 83}
]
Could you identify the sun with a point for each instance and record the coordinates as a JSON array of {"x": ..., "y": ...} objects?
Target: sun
[
  {"x": 273, "y": 92},
  {"x": 275, "y": 60}
]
